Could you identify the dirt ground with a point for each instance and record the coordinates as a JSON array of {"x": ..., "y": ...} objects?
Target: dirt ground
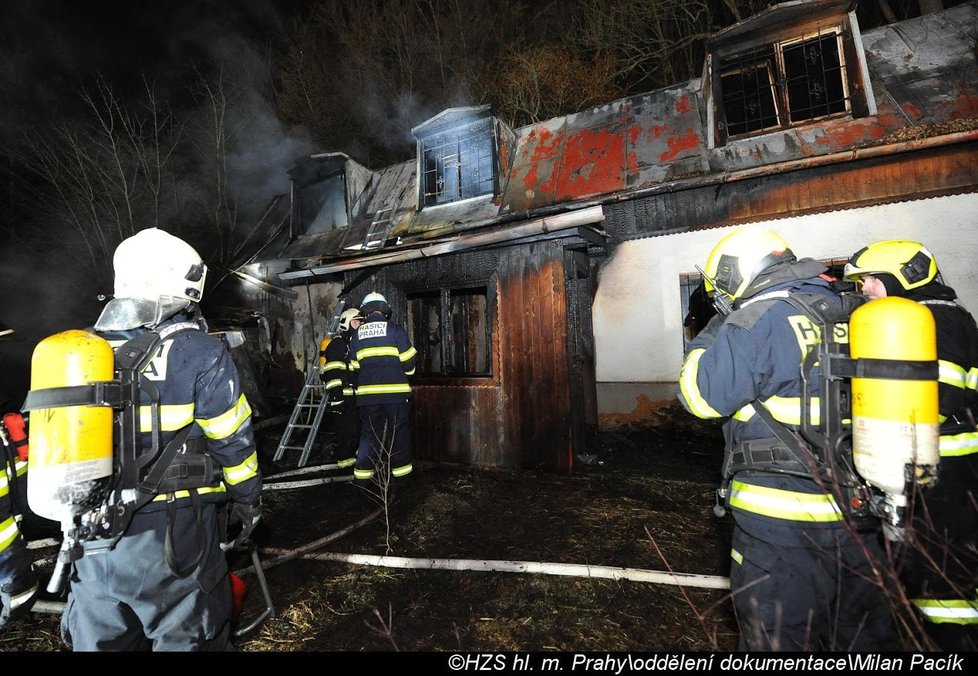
[{"x": 644, "y": 500}]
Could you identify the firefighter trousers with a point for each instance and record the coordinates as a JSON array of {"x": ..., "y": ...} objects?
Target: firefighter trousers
[
  {"x": 385, "y": 441},
  {"x": 823, "y": 595},
  {"x": 129, "y": 599},
  {"x": 346, "y": 424}
]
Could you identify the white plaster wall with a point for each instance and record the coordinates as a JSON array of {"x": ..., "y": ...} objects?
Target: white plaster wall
[{"x": 637, "y": 310}]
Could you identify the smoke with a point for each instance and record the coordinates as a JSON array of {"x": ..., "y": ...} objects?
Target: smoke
[{"x": 50, "y": 49}]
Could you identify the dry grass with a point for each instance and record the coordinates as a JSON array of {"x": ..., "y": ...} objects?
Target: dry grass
[{"x": 648, "y": 505}]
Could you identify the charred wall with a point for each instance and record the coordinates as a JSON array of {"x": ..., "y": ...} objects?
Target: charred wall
[
  {"x": 915, "y": 174},
  {"x": 522, "y": 413}
]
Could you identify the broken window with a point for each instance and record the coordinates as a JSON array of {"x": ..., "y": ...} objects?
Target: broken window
[
  {"x": 697, "y": 309},
  {"x": 457, "y": 164},
  {"x": 450, "y": 329},
  {"x": 321, "y": 207},
  {"x": 319, "y": 190},
  {"x": 784, "y": 84}
]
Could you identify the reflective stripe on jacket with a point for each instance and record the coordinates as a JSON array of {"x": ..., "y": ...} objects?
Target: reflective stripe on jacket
[
  {"x": 754, "y": 359},
  {"x": 382, "y": 357},
  {"x": 957, "y": 355},
  {"x": 198, "y": 385},
  {"x": 14, "y": 555},
  {"x": 337, "y": 373},
  {"x": 948, "y": 611}
]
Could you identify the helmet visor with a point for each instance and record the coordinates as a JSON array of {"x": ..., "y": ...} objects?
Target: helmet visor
[
  {"x": 851, "y": 273},
  {"x": 122, "y": 314}
]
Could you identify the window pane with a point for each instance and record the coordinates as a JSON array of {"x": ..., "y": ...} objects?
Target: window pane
[
  {"x": 747, "y": 86},
  {"x": 469, "y": 340},
  {"x": 697, "y": 309},
  {"x": 814, "y": 77},
  {"x": 424, "y": 327},
  {"x": 457, "y": 165},
  {"x": 475, "y": 153}
]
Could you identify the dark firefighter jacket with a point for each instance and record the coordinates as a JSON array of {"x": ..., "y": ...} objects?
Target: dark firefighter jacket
[
  {"x": 14, "y": 556},
  {"x": 949, "y": 524},
  {"x": 754, "y": 359},
  {"x": 957, "y": 354},
  {"x": 337, "y": 374},
  {"x": 198, "y": 386},
  {"x": 382, "y": 357}
]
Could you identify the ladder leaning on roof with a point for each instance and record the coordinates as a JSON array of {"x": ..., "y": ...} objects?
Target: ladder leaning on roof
[{"x": 310, "y": 407}]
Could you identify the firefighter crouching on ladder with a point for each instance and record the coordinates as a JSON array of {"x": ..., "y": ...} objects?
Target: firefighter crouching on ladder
[
  {"x": 337, "y": 378},
  {"x": 18, "y": 582},
  {"x": 382, "y": 357},
  {"x": 802, "y": 576},
  {"x": 941, "y": 567},
  {"x": 164, "y": 585}
]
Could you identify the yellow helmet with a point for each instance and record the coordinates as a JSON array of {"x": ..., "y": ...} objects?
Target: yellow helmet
[
  {"x": 740, "y": 257},
  {"x": 909, "y": 262},
  {"x": 347, "y": 318}
]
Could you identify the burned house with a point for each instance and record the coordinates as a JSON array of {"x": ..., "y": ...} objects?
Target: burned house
[{"x": 545, "y": 273}]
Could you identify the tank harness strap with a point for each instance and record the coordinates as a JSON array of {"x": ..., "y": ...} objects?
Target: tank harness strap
[
  {"x": 168, "y": 551},
  {"x": 772, "y": 454},
  {"x": 183, "y": 463},
  {"x": 786, "y": 454}
]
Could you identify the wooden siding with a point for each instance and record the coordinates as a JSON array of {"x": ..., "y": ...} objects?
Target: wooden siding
[
  {"x": 532, "y": 303},
  {"x": 910, "y": 175},
  {"x": 521, "y": 416},
  {"x": 459, "y": 423}
]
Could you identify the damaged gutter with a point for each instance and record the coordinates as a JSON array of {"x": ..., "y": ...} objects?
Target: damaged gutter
[{"x": 547, "y": 224}]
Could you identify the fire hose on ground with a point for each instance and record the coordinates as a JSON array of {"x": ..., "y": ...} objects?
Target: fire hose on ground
[{"x": 308, "y": 552}]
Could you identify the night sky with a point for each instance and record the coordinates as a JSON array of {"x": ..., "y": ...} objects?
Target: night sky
[{"x": 52, "y": 48}]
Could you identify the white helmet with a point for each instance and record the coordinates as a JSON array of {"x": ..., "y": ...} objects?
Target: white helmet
[
  {"x": 375, "y": 302},
  {"x": 156, "y": 276}
]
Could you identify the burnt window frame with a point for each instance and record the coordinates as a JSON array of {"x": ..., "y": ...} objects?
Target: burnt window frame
[
  {"x": 330, "y": 187},
  {"x": 770, "y": 57},
  {"x": 732, "y": 51},
  {"x": 447, "y": 332},
  {"x": 430, "y": 194}
]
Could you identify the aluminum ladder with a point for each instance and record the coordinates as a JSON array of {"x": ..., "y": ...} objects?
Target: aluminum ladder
[
  {"x": 306, "y": 418},
  {"x": 310, "y": 407}
]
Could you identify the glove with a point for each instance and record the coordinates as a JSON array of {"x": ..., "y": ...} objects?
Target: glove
[
  {"x": 248, "y": 516},
  {"x": 17, "y": 595}
]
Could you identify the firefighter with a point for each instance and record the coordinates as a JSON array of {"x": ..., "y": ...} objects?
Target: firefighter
[
  {"x": 802, "y": 576},
  {"x": 941, "y": 569},
  {"x": 337, "y": 378},
  {"x": 164, "y": 585},
  {"x": 382, "y": 358},
  {"x": 18, "y": 582}
]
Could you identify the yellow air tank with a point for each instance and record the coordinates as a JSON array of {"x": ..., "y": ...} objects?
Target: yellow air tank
[
  {"x": 323, "y": 344},
  {"x": 71, "y": 446},
  {"x": 894, "y": 415}
]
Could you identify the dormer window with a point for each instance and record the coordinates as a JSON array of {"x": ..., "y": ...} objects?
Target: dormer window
[
  {"x": 457, "y": 156},
  {"x": 784, "y": 84},
  {"x": 791, "y": 65},
  {"x": 319, "y": 195}
]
